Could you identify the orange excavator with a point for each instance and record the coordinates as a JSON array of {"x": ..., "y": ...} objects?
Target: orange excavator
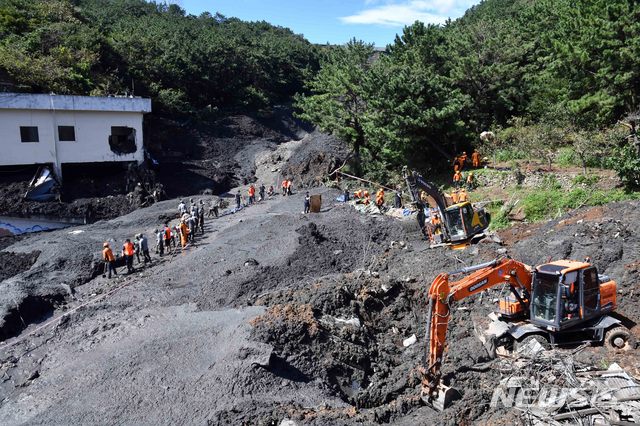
[{"x": 562, "y": 302}]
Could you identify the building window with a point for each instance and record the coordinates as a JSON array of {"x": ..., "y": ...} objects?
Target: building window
[
  {"x": 66, "y": 133},
  {"x": 123, "y": 140},
  {"x": 29, "y": 134}
]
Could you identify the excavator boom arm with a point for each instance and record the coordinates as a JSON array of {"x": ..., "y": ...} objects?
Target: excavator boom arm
[{"x": 443, "y": 291}]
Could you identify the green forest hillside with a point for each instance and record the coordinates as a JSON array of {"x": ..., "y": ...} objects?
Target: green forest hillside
[
  {"x": 185, "y": 63},
  {"x": 543, "y": 75}
]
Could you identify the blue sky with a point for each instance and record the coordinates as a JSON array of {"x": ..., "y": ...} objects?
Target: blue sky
[{"x": 336, "y": 21}]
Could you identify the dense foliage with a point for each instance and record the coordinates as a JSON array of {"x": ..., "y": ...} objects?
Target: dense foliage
[
  {"x": 185, "y": 63},
  {"x": 549, "y": 72}
]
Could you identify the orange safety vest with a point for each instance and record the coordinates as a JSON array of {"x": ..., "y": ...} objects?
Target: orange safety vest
[
  {"x": 475, "y": 158},
  {"x": 457, "y": 176},
  {"x": 284, "y": 183},
  {"x": 463, "y": 196},
  {"x": 455, "y": 197},
  {"x": 128, "y": 249},
  {"x": 358, "y": 193},
  {"x": 380, "y": 198},
  {"x": 435, "y": 220},
  {"x": 107, "y": 255},
  {"x": 252, "y": 191},
  {"x": 167, "y": 234}
]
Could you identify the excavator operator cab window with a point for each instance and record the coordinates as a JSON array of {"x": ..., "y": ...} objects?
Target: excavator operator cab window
[
  {"x": 456, "y": 224},
  {"x": 570, "y": 297},
  {"x": 544, "y": 301}
]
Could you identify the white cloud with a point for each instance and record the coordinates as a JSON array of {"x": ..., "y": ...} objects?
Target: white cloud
[{"x": 398, "y": 14}]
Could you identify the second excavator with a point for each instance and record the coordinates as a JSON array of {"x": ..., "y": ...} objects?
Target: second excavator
[
  {"x": 556, "y": 303},
  {"x": 456, "y": 225}
]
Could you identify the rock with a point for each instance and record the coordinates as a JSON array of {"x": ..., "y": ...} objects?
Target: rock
[
  {"x": 251, "y": 262},
  {"x": 288, "y": 422},
  {"x": 409, "y": 341}
]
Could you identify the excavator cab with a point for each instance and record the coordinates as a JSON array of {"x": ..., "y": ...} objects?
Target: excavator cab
[
  {"x": 464, "y": 222},
  {"x": 566, "y": 293}
]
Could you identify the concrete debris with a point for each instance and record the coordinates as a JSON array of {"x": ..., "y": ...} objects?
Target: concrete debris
[
  {"x": 409, "y": 341},
  {"x": 552, "y": 387}
]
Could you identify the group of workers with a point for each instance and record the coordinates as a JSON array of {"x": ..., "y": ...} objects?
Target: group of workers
[
  {"x": 459, "y": 163},
  {"x": 262, "y": 194},
  {"x": 139, "y": 247},
  {"x": 362, "y": 196},
  {"x": 191, "y": 221}
]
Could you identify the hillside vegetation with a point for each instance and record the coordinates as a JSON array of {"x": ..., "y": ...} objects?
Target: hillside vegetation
[
  {"x": 185, "y": 63},
  {"x": 551, "y": 78},
  {"x": 541, "y": 73}
]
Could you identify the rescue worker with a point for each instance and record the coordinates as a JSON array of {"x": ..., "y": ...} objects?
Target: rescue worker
[
  {"x": 238, "y": 198},
  {"x": 136, "y": 241},
  {"x": 213, "y": 208},
  {"x": 463, "y": 196},
  {"x": 159, "y": 242},
  {"x": 397, "y": 200},
  {"x": 475, "y": 158},
  {"x": 455, "y": 196},
  {"x": 192, "y": 225},
  {"x": 182, "y": 208},
  {"x": 143, "y": 247},
  {"x": 457, "y": 179},
  {"x": 184, "y": 233},
  {"x": 437, "y": 228},
  {"x": 109, "y": 259},
  {"x": 289, "y": 187},
  {"x": 271, "y": 191},
  {"x": 366, "y": 198},
  {"x": 284, "y": 187},
  {"x": 462, "y": 160},
  {"x": 252, "y": 194},
  {"x": 471, "y": 181},
  {"x": 167, "y": 237},
  {"x": 358, "y": 195},
  {"x": 307, "y": 203},
  {"x": 261, "y": 192},
  {"x": 128, "y": 250},
  {"x": 380, "y": 198},
  {"x": 201, "y": 216}
]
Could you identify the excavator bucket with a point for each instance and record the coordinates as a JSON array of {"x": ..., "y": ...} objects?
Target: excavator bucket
[{"x": 445, "y": 396}]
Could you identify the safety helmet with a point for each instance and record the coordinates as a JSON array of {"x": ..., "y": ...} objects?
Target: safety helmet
[{"x": 105, "y": 244}]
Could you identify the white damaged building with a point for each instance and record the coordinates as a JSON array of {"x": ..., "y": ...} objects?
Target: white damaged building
[{"x": 59, "y": 129}]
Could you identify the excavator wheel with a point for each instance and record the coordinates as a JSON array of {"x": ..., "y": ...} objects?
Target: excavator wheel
[{"x": 619, "y": 338}]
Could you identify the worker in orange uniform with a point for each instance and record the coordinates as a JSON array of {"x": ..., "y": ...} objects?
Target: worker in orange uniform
[
  {"x": 475, "y": 158},
  {"x": 457, "y": 179},
  {"x": 462, "y": 160},
  {"x": 357, "y": 195},
  {"x": 184, "y": 233},
  {"x": 463, "y": 196},
  {"x": 366, "y": 198},
  {"x": 436, "y": 226},
  {"x": 167, "y": 237},
  {"x": 128, "y": 251},
  {"x": 471, "y": 181},
  {"x": 380, "y": 198},
  {"x": 289, "y": 187},
  {"x": 109, "y": 259},
  {"x": 455, "y": 196},
  {"x": 284, "y": 187},
  {"x": 252, "y": 194}
]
